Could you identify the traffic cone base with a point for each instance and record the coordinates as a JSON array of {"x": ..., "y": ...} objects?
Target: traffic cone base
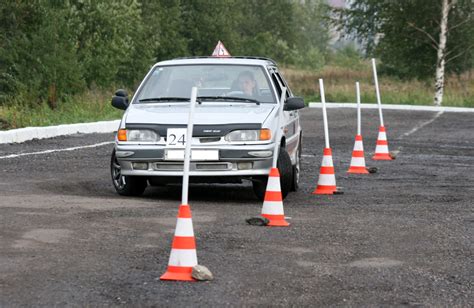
[
  {"x": 178, "y": 273},
  {"x": 276, "y": 220},
  {"x": 183, "y": 249},
  {"x": 324, "y": 190},
  {"x": 381, "y": 150},
  {"x": 382, "y": 156},
  {"x": 359, "y": 170},
  {"x": 273, "y": 202},
  {"x": 327, "y": 178}
]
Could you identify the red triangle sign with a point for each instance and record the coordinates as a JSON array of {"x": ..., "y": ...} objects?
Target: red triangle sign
[{"x": 220, "y": 51}]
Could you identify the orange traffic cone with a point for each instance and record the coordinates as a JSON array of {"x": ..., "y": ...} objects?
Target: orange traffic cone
[
  {"x": 381, "y": 150},
  {"x": 183, "y": 250},
  {"x": 327, "y": 178},
  {"x": 273, "y": 203},
  {"x": 358, "y": 160}
]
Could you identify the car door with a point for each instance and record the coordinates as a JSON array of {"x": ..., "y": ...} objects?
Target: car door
[{"x": 291, "y": 118}]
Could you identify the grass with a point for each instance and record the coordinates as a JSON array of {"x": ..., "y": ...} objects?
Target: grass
[
  {"x": 339, "y": 82},
  {"x": 339, "y": 86},
  {"x": 87, "y": 107}
]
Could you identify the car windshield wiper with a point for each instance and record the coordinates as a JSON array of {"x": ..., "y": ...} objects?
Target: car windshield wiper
[
  {"x": 165, "y": 99},
  {"x": 228, "y": 98}
]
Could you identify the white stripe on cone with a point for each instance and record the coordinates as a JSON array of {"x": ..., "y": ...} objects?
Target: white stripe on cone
[
  {"x": 272, "y": 208},
  {"x": 382, "y": 136},
  {"x": 327, "y": 179},
  {"x": 327, "y": 161},
  {"x": 358, "y": 146},
  {"x": 381, "y": 149},
  {"x": 358, "y": 162},
  {"x": 184, "y": 227},
  {"x": 183, "y": 257},
  {"x": 273, "y": 183}
]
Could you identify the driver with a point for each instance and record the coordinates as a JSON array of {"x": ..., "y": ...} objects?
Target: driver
[{"x": 247, "y": 83}]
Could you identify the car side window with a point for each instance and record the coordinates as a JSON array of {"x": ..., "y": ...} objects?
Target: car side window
[
  {"x": 279, "y": 84},
  {"x": 283, "y": 84}
]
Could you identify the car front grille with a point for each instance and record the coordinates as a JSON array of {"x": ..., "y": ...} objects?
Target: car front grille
[{"x": 195, "y": 166}]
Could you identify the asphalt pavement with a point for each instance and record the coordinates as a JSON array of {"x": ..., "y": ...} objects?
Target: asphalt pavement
[{"x": 400, "y": 237}]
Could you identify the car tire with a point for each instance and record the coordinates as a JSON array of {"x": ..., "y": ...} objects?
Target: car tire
[
  {"x": 126, "y": 185},
  {"x": 295, "y": 183},
  {"x": 286, "y": 177}
]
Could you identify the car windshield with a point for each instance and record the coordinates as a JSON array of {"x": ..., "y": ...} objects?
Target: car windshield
[{"x": 223, "y": 83}]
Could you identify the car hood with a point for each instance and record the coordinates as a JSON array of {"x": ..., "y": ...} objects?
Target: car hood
[{"x": 205, "y": 113}]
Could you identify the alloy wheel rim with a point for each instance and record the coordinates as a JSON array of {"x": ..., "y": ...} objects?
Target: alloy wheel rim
[{"x": 117, "y": 177}]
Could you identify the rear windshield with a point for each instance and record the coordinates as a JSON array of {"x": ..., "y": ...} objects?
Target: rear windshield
[{"x": 242, "y": 81}]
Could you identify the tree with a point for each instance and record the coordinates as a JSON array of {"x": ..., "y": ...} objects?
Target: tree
[
  {"x": 50, "y": 49},
  {"x": 440, "y": 47},
  {"x": 412, "y": 38},
  {"x": 108, "y": 35},
  {"x": 54, "y": 48},
  {"x": 164, "y": 26},
  {"x": 37, "y": 53}
]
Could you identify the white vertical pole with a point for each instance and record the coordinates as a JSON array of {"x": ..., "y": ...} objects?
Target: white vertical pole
[
  {"x": 358, "y": 108},
  {"x": 325, "y": 116},
  {"x": 187, "y": 150},
  {"x": 279, "y": 130},
  {"x": 377, "y": 91}
]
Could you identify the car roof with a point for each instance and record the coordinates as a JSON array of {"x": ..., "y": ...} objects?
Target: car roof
[{"x": 219, "y": 60}]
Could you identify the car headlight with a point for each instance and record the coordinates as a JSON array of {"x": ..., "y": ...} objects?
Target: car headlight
[
  {"x": 138, "y": 135},
  {"x": 248, "y": 135}
]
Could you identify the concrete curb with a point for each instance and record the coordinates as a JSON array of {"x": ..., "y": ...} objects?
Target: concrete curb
[
  {"x": 29, "y": 133},
  {"x": 393, "y": 107}
]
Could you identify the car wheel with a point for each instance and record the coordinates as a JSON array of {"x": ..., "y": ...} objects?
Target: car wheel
[
  {"x": 125, "y": 185},
  {"x": 286, "y": 177},
  {"x": 296, "y": 170}
]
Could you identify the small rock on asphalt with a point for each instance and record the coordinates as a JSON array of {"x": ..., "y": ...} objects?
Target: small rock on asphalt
[
  {"x": 257, "y": 221},
  {"x": 202, "y": 273},
  {"x": 372, "y": 169}
]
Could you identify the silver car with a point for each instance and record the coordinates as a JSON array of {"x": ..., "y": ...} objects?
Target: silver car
[{"x": 235, "y": 125}]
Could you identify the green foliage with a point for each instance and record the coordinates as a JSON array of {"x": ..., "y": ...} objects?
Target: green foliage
[
  {"x": 339, "y": 83},
  {"x": 404, "y": 34},
  {"x": 110, "y": 41},
  {"x": 164, "y": 27},
  {"x": 37, "y": 52},
  {"x": 87, "y": 107},
  {"x": 52, "y": 49},
  {"x": 347, "y": 57}
]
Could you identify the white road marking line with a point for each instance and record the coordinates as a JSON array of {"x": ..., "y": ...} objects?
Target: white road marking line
[
  {"x": 416, "y": 128},
  {"x": 58, "y": 150},
  {"x": 393, "y": 107},
  {"x": 307, "y": 155}
]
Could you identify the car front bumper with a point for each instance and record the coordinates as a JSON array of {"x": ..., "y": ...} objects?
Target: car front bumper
[{"x": 152, "y": 160}]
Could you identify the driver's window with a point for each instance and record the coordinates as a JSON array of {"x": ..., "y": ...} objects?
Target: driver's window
[
  {"x": 278, "y": 85},
  {"x": 283, "y": 84}
]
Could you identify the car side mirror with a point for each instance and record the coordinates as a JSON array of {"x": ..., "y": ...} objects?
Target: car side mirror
[
  {"x": 120, "y": 100},
  {"x": 121, "y": 92},
  {"x": 293, "y": 103}
]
